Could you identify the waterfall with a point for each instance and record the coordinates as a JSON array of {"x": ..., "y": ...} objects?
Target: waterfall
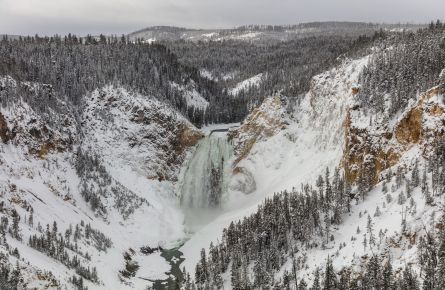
[{"x": 205, "y": 179}]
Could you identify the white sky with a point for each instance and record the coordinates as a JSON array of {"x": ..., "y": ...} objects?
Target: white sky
[{"x": 123, "y": 16}]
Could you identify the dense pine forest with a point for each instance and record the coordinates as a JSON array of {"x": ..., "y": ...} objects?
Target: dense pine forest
[
  {"x": 404, "y": 65},
  {"x": 288, "y": 65},
  {"x": 74, "y": 66}
]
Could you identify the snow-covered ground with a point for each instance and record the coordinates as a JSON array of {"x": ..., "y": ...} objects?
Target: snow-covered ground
[
  {"x": 115, "y": 130},
  {"x": 192, "y": 97},
  {"x": 132, "y": 134},
  {"x": 312, "y": 141},
  {"x": 246, "y": 84}
]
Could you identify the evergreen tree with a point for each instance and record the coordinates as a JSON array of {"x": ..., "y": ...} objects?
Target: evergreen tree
[{"x": 330, "y": 279}]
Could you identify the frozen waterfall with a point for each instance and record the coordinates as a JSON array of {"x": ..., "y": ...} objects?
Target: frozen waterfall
[{"x": 205, "y": 179}]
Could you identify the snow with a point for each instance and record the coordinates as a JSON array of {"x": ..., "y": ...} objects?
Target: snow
[
  {"x": 442, "y": 74},
  {"x": 250, "y": 35},
  {"x": 206, "y": 74},
  {"x": 229, "y": 76},
  {"x": 51, "y": 186},
  {"x": 246, "y": 84},
  {"x": 192, "y": 97},
  {"x": 153, "y": 267},
  {"x": 210, "y": 35},
  {"x": 207, "y": 129},
  {"x": 150, "y": 226},
  {"x": 389, "y": 222},
  {"x": 312, "y": 141},
  {"x": 150, "y": 40}
]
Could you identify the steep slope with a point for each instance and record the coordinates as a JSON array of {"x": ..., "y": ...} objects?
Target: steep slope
[
  {"x": 277, "y": 151},
  {"x": 89, "y": 193},
  {"x": 392, "y": 218},
  {"x": 103, "y": 182},
  {"x": 374, "y": 143},
  {"x": 141, "y": 132},
  {"x": 246, "y": 84},
  {"x": 381, "y": 158}
]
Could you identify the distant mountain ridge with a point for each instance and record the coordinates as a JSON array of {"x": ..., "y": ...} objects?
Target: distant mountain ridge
[{"x": 262, "y": 32}]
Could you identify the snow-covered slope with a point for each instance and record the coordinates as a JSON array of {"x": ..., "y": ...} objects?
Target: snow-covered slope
[
  {"x": 330, "y": 129},
  {"x": 108, "y": 172},
  {"x": 276, "y": 151},
  {"x": 106, "y": 178},
  {"x": 246, "y": 84},
  {"x": 399, "y": 210},
  {"x": 135, "y": 132},
  {"x": 192, "y": 97}
]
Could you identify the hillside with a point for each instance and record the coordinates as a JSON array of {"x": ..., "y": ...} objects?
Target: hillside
[
  {"x": 343, "y": 187},
  {"x": 315, "y": 163},
  {"x": 262, "y": 33}
]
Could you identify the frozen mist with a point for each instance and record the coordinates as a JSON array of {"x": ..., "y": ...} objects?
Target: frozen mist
[{"x": 205, "y": 180}]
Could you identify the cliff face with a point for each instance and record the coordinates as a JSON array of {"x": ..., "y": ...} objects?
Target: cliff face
[
  {"x": 263, "y": 122},
  {"x": 371, "y": 141},
  {"x": 123, "y": 149},
  {"x": 291, "y": 140},
  {"x": 330, "y": 119},
  {"x": 137, "y": 131}
]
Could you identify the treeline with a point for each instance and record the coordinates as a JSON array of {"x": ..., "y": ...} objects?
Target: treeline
[
  {"x": 96, "y": 184},
  {"x": 406, "y": 64},
  {"x": 290, "y": 222},
  {"x": 73, "y": 67},
  {"x": 358, "y": 27},
  {"x": 58, "y": 246}
]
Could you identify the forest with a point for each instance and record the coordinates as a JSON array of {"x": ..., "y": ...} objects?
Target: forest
[
  {"x": 57, "y": 74},
  {"x": 404, "y": 65},
  {"x": 302, "y": 219},
  {"x": 71, "y": 67}
]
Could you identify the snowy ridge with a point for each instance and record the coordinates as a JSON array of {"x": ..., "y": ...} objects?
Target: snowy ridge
[
  {"x": 246, "y": 84},
  {"x": 131, "y": 149}
]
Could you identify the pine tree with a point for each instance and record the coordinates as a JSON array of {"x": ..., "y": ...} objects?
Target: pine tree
[
  {"x": 387, "y": 275},
  {"x": 15, "y": 225},
  {"x": 330, "y": 280},
  {"x": 415, "y": 179},
  {"x": 409, "y": 280},
  {"x": 31, "y": 218},
  {"x": 316, "y": 283},
  {"x": 302, "y": 285},
  {"x": 441, "y": 257}
]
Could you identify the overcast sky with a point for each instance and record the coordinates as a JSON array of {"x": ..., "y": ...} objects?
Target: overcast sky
[{"x": 123, "y": 16}]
